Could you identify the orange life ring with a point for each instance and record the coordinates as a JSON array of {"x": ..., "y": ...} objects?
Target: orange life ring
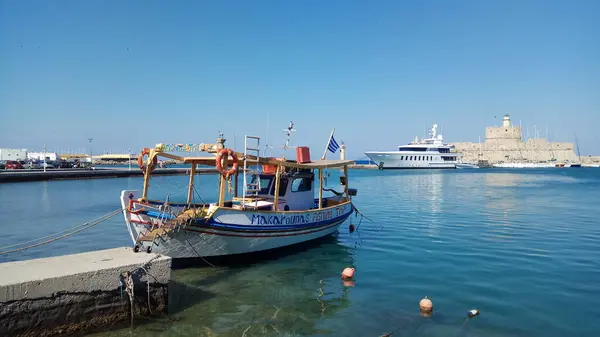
[
  {"x": 219, "y": 165},
  {"x": 140, "y": 160}
]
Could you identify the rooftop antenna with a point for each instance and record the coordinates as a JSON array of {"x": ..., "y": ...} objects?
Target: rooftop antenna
[{"x": 288, "y": 132}]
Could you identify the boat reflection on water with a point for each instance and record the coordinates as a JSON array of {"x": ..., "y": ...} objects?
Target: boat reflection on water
[{"x": 288, "y": 292}]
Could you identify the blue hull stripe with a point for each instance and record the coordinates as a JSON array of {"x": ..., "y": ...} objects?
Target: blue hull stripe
[
  {"x": 259, "y": 228},
  {"x": 274, "y": 228}
]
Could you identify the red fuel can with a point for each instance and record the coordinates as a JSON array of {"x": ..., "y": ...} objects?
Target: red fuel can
[{"x": 302, "y": 154}]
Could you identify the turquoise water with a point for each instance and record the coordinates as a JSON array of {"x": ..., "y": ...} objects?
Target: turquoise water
[{"x": 522, "y": 246}]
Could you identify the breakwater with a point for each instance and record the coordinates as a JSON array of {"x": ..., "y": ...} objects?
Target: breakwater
[
  {"x": 81, "y": 292},
  {"x": 61, "y": 174}
]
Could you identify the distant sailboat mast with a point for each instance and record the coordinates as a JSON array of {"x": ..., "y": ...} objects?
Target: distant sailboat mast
[{"x": 577, "y": 147}]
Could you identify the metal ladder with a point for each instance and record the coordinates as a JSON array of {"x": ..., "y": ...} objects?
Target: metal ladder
[{"x": 251, "y": 189}]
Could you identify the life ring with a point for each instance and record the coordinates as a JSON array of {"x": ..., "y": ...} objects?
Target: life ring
[
  {"x": 140, "y": 160},
  {"x": 219, "y": 165}
]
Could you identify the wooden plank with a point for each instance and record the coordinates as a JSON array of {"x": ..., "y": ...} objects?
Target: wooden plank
[
  {"x": 235, "y": 182},
  {"x": 315, "y": 164},
  {"x": 276, "y": 191},
  {"x": 223, "y": 184},
  {"x": 191, "y": 186},
  {"x": 320, "y": 188},
  {"x": 347, "y": 182}
]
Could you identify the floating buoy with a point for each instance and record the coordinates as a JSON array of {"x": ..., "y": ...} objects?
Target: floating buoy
[
  {"x": 351, "y": 228},
  {"x": 348, "y": 273},
  {"x": 426, "y": 305},
  {"x": 472, "y": 313}
]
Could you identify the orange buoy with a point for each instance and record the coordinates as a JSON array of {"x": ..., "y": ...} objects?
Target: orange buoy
[
  {"x": 426, "y": 305},
  {"x": 348, "y": 273}
]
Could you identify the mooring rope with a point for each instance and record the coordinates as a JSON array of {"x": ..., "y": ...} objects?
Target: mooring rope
[
  {"x": 127, "y": 276},
  {"x": 70, "y": 231}
]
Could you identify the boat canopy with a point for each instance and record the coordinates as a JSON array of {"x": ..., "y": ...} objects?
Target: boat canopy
[{"x": 315, "y": 164}]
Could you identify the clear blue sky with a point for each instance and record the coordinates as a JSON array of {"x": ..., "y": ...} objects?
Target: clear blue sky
[{"x": 134, "y": 73}]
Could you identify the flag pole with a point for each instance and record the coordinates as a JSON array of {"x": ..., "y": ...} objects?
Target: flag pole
[{"x": 327, "y": 145}]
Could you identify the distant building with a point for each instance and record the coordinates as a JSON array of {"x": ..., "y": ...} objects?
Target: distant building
[
  {"x": 505, "y": 144},
  {"x": 13, "y": 154},
  {"x": 40, "y": 156}
]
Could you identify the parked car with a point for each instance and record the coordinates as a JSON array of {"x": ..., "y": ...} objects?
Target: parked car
[
  {"x": 2, "y": 165},
  {"x": 63, "y": 164},
  {"x": 34, "y": 164},
  {"x": 13, "y": 165}
]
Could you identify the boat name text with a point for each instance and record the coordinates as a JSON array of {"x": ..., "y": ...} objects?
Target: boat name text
[{"x": 295, "y": 219}]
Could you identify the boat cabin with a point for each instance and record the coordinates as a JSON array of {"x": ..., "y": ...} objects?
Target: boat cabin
[{"x": 296, "y": 190}]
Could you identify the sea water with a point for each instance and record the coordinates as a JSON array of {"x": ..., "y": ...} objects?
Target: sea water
[{"x": 520, "y": 246}]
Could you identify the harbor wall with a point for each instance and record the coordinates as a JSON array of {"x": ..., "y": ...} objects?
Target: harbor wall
[
  {"x": 81, "y": 293},
  {"x": 590, "y": 160},
  {"x": 60, "y": 174},
  {"x": 504, "y": 144}
]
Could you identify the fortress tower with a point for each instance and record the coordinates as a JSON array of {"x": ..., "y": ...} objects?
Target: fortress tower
[
  {"x": 505, "y": 134},
  {"x": 504, "y": 144}
]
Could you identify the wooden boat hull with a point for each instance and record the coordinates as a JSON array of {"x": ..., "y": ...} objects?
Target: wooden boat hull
[{"x": 232, "y": 231}]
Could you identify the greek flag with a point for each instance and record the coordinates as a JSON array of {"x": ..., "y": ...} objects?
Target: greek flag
[{"x": 333, "y": 145}]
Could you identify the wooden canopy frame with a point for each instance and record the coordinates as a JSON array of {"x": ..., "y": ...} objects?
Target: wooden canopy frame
[{"x": 281, "y": 165}]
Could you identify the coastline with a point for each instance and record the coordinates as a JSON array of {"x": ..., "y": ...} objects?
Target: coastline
[{"x": 11, "y": 176}]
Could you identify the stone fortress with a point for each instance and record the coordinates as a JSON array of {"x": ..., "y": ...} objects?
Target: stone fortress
[{"x": 505, "y": 144}]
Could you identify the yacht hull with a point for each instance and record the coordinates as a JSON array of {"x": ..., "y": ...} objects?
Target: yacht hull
[{"x": 410, "y": 160}]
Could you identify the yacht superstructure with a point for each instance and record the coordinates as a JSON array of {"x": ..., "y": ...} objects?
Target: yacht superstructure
[{"x": 429, "y": 153}]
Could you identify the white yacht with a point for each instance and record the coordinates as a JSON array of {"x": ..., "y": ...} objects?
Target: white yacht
[{"x": 429, "y": 153}]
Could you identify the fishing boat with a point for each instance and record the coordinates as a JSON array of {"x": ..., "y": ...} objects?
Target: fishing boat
[{"x": 278, "y": 205}]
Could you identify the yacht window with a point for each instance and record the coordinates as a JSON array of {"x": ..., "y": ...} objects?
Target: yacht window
[
  {"x": 401, "y": 157},
  {"x": 411, "y": 157},
  {"x": 301, "y": 184},
  {"x": 413, "y": 149}
]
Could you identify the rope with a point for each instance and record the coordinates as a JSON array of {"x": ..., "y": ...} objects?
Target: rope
[{"x": 72, "y": 231}]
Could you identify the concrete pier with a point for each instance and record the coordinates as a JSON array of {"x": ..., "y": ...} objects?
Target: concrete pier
[
  {"x": 81, "y": 293},
  {"x": 7, "y": 176}
]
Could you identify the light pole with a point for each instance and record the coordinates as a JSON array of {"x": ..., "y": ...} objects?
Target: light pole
[
  {"x": 44, "y": 157},
  {"x": 91, "y": 158},
  {"x": 129, "y": 159}
]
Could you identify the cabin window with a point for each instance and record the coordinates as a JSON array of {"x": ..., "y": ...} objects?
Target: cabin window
[
  {"x": 301, "y": 184},
  {"x": 283, "y": 182},
  {"x": 265, "y": 183},
  {"x": 411, "y": 157}
]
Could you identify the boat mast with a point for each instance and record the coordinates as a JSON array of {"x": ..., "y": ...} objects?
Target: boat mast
[{"x": 577, "y": 147}]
